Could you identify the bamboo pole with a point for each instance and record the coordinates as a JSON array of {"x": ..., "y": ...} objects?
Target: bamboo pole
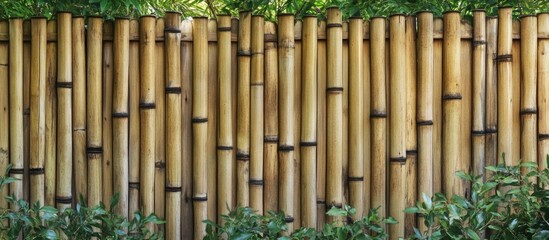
[
  {"x": 256, "y": 113},
  {"x": 543, "y": 91},
  {"x": 366, "y": 95},
  {"x": 16, "y": 105},
  {"x": 425, "y": 108},
  {"x": 147, "y": 113},
  {"x": 505, "y": 91},
  {"x": 63, "y": 196},
  {"x": 378, "y": 116},
  {"x": 321, "y": 129},
  {"x": 516, "y": 91},
  {"x": 270, "y": 168},
  {"x": 466, "y": 112},
  {"x": 120, "y": 114},
  {"x": 160, "y": 128},
  {"x": 451, "y": 105},
  {"x": 286, "y": 120},
  {"x": 297, "y": 123},
  {"x": 243, "y": 115},
  {"x": 491, "y": 155},
  {"x": 133, "y": 150},
  {"x": 38, "y": 109},
  {"x": 345, "y": 138},
  {"x": 186, "y": 149},
  {"x": 411, "y": 126},
  {"x": 108, "y": 31},
  {"x": 356, "y": 124},
  {"x": 172, "y": 33},
  {"x": 26, "y": 106},
  {"x": 528, "y": 64},
  {"x": 94, "y": 113},
  {"x": 479, "y": 91},
  {"x": 308, "y": 122},
  {"x": 51, "y": 116},
  {"x": 334, "y": 112},
  {"x": 79, "y": 107},
  {"x": 200, "y": 124},
  {"x": 212, "y": 121},
  {"x": 437, "y": 108},
  {"x": 234, "y": 95},
  {"x": 225, "y": 153},
  {"x": 397, "y": 112},
  {"x": 4, "y": 109}
]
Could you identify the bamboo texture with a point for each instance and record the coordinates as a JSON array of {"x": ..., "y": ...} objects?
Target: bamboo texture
[
  {"x": 543, "y": 91},
  {"x": 528, "y": 70},
  {"x": 491, "y": 155},
  {"x": 133, "y": 150},
  {"x": 504, "y": 89},
  {"x": 26, "y": 106},
  {"x": 212, "y": 121},
  {"x": 298, "y": 26},
  {"x": 51, "y": 116},
  {"x": 321, "y": 129},
  {"x": 243, "y": 107},
  {"x": 479, "y": 92},
  {"x": 4, "y": 108},
  {"x": 160, "y": 128},
  {"x": 108, "y": 30}
]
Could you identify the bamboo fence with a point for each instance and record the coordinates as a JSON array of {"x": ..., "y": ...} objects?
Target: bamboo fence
[{"x": 191, "y": 118}]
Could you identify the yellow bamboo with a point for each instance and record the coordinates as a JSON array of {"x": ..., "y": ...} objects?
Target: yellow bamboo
[
  {"x": 186, "y": 149},
  {"x": 378, "y": 116},
  {"x": 243, "y": 115},
  {"x": 4, "y": 106},
  {"x": 120, "y": 114},
  {"x": 173, "y": 123},
  {"x": 504, "y": 86},
  {"x": 397, "y": 125},
  {"x": 491, "y": 155},
  {"x": 425, "y": 108},
  {"x": 94, "y": 113},
  {"x": 286, "y": 118},
  {"x": 437, "y": 108},
  {"x": 225, "y": 153},
  {"x": 200, "y": 124},
  {"x": 234, "y": 94},
  {"x": 297, "y": 123},
  {"x": 516, "y": 91},
  {"x": 108, "y": 31},
  {"x": 51, "y": 110},
  {"x": 26, "y": 106},
  {"x": 308, "y": 122},
  {"x": 543, "y": 91},
  {"x": 212, "y": 121},
  {"x": 63, "y": 195},
  {"x": 38, "y": 109},
  {"x": 270, "y": 168},
  {"x": 133, "y": 150},
  {"x": 79, "y": 107},
  {"x": 466, "y": 113},
  {"x": 356, "y": 124},
  {"x": 321, "y": 129},
  {"x": 479, "y": 91},
  {"x": 256, "y": 113},
  {"x": 366, "y": 92},
  {"x": 147, "y": 113},
  {"x": 528, "y": 64},
  {"x": 160, "y": 128}
]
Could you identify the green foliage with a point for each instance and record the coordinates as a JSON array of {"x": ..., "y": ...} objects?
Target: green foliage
[
  {"x": 509, "y": 205},
  {"x": 83, "y": 222},
  {"x": 244, "y": 223}
]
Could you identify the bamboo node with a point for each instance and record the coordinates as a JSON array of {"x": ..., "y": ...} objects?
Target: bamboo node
[
  {"x": 478, "y": 132},
  {"x": 36, "y": 171},
  {"x": 120, "y": 115},
  {"x": 255, "y": 182},
  {"x": 63, "y": 200},
  {"x": 528, "y": 111},
  {"x": 355, "y": 179},
  {"x": 172, "y": 90},
  {"x": 491, "y": 130},
  {"x": 173, "y": 189},
  {"x": 172, "y": 30},
  {"x": 543, "y": 136},
  {"x": 479, "y": 43},
  {"x": 257, "y": 53},
  {"x": 224, "y": 148},
  {"x": 17, "y": 171},
  {"x": 334, "y": 89},
  {"x": 200, "y": 199},
  {"x": 147, "y": 105},
  {"x": 401, "y": 160},
  {"x": 160, "y": 165},
  {"x": 424, "y": 123},
  {"x": 289, "y": 219},
  {"x": 307, "y": 144},
  {"x": 269, "y": 37},
  {"x": 504, "y": 58},
  {"x": 95, "y": 150},
  {"x": 63, "y": 84},
  {"x": 320, "y": 201},
  {"x": 242, "y": 156},
  {"x": 378, "y": 114},
  {"x": 334, "y": 25},
  {"x": 134, "y": 185},
  {"x": 256, "y": 84},
  {"x": 411, "y": 152},
  {"x": 285, "y": 148},
  {"x": 224, "y": 29},
  {"x": 270, "y": 139},
  {"x": 452, "y": 96},
  {"x": 243, "y": 53},
  {"x": 199, "y": 120}
]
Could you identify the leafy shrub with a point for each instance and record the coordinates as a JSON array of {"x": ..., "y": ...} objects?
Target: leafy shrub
[
  {"x": 83, "y": 222},
  {"x": 508, "y": 205}
]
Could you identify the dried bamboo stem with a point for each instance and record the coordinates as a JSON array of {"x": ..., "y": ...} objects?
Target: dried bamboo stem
[
  {"x": 133, "y": 78},
  {"x": 26, "y": 106},
  {"x": 51, "y": 116},
  {"x": 528, "y": 111},
  {"x": 243, "y": 115},
  {"x": 321, "y": 129},
  {"x": 297, "y": 123},
  {"x": 160, "y": 128},
  {"x": 479, "y": 91},
  {"x": 4, "y": 109},
  {"x": 491, "y": 155},
  {"x": 505, "y": 90},
  {"x": 437, "y": 108},
  {"x": 366, "y": 95},
  {"x": 543, "y": 91},
  {"x": 108, "y": 30},
  {"x": 212, "y": 121}
]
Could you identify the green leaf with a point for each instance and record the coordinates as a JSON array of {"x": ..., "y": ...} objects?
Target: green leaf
[
  {"x": 390, "y": 220},
  {"x": 472, "y": 234},
  {"x": 411, "y": 210},
  {"x": 427, "y": 201}
]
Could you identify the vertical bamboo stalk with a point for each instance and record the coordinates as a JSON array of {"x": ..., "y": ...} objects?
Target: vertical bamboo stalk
[
  {"x": 26, "y": 106},
  {"x": 334, "y": 111},
  {"x": 200, "y": 124},
  {"x": 256, "y": 113},
  {"x": 308, "y": 122},
  {"x": 225, "y": 153},
  {"x": 345, "y": 138},
  {"x": 286, "y": 118},
  {"x": 186, "y": 149},
  {"x": 451, "y": 105},
  {"x": 270, "y": 168},
  {"x": 528, "y": 64},
  {"x": 516, "y": 87},
  {"x": 466, "y": 119},
  {"x": 543, "y": 91},
  {"x": 234, "y": 94},
  {"x": 425, "y": 108},
  {"x": 16, "y": 104},
  {"x": 437, "y": 107},
  {"x": 94, "y": 113},
  {"x": 491, "y": 155},
  {"x": 356, "y": 124},
  {"x": 79, "y": 107},
  {"x": 147, "y": 113},
  {"x": 212, "y": 121},
  {"x": 172, "y": 35},
  {"x": 38, "y": 109},
  {"x": 298, "y": 25},
  {"x": 51, "y": 116},
  {"x": 321, "y": 129},
  {"x": 160, "y": 128},
  {"x": 397, "y": 124},
  {"x": 64, "y": 112},
  {"x": 243, "y": 116},
  {"x": 120, "y": 114},
  {"x": 505, "y": 90},
  {"x": 366, "y": 95},
  {"x": 133, "y": 150},
  {"x": 108, "y": 31},
  {"x": 378, "y": 116},
  {"x": 479, "y": 91},
  {"x": 4, "y": 109}
]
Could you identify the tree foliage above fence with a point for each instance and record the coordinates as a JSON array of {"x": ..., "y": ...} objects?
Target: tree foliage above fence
[{"x": 269, "y": 8}]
